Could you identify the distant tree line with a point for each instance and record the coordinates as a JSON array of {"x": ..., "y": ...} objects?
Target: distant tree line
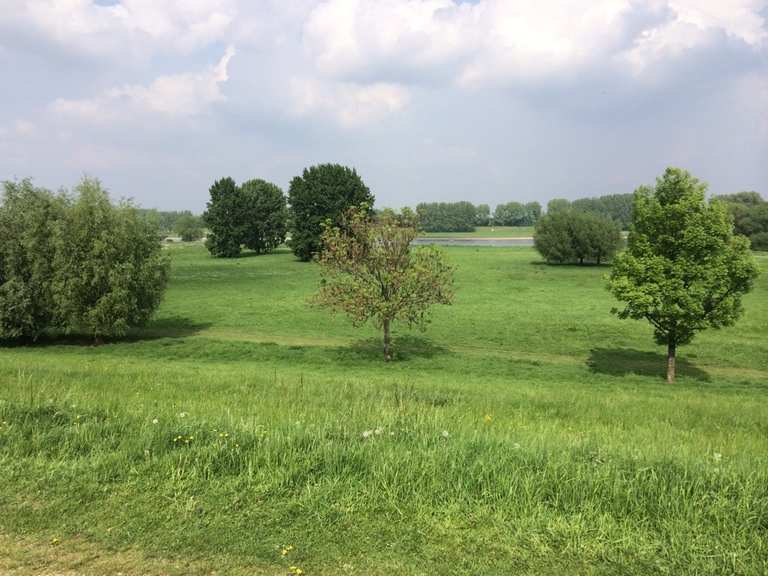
[
  {"x": 616, "y": 207},
  {"x": 446, "y": 216},
  {"x": 750, "y": 216},
  {"x": 75, "y": 263}
]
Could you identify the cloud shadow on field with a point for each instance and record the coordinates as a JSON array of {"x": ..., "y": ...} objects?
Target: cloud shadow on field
[
  {"x": 404, "y": 348},
  {"x": 624, "y": 361}
]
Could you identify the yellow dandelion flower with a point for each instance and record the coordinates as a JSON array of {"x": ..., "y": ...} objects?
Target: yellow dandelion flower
[{"x": 487, "y": 418}]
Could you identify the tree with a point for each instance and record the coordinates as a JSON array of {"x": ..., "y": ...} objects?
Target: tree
[
  {"x": 482, "y": 215},
  {"x": 222, "y": 217},
  {"x": 321, "y": 193},
  {"x": 109, "y": 272},
  {"x": 188, "y": 227},
  {"x": 750, "y": 216},
  {"x": 28, "y": 217},
  {"x": 370, "y": 272},
  {"x": 684, "y": 270},
  {"x": 558, "y": 205},
  {"x": 571, "y": 236},
  {"x": 617, "y": 207},
  {"x": 253, "y": 215},
  {"x": 265, "y": 216},
  {"x": 534, "y": 212},
  {"x": 446, "y": 216}
]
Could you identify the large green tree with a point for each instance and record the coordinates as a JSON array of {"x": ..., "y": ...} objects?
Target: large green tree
[
  {"x": 223, "y": 219},
  {"x": 322, "y": 193},
  {"x": 253, "y": 215},
  {"x": 370, "y": 272},
  {"x": 265, "y": 216},
  {"x": 109, "y": 270},
  {"x": 572, "y": 236},
  {"x": 684, "y": 270}
]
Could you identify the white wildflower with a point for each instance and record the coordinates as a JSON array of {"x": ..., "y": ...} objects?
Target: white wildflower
[
  {"x": 155, "y": 421},
  {"x": 444, "y": 434},
  {"x": 367, "y": 434},
  {"x": 717, "y": 456},
  {"x": 378, "y": 431}
]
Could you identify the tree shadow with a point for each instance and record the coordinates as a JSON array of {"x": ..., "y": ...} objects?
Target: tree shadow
[
  {"x": 404, "y": 348},
  {"x": 624, "y": 361},
  {"x": 170, "y": 327},
  {"x": 572, "y": 264}
]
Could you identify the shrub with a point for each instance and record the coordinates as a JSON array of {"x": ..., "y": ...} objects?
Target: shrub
[{"x": 188, "y": 227}]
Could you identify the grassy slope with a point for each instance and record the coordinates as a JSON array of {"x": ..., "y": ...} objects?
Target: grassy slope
[
  {"x": 590, "y": 463},
  {"x": 486, "y": 232}
]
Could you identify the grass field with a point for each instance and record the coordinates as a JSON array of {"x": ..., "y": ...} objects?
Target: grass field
[
  {"x": 486, "y": 232},
  {"x": 527, "y": 432}
]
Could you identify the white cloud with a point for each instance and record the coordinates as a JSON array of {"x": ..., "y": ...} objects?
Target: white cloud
[
  {"x": 347, "y": 103},
  {"x": 499, "y": 40},
  {"x": 177, "y": 95},
  {"x": 126, "y": 27}
]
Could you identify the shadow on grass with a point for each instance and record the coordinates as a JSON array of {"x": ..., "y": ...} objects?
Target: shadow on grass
[
  {"x": 623, "y": 361},
  {"x": 571, "y": 264},
  {"x": 403, "y": 347},
  {"x": 172, "y": 327}
]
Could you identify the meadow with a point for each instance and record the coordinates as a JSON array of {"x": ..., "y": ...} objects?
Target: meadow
[{"x": 528, "y": 431}]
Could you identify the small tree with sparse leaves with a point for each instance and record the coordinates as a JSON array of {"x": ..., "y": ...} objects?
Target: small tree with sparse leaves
[
  {"x": 369, "y": 272},
  {"x": 684, "y": 270}
]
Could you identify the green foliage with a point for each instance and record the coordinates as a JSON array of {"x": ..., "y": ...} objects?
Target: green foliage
[
  {"x": 222, "y": 217},
  {"x": 166, "y": 221},
  {"x": 558, "y": 205},
  {"x": 482, "y": 215},
  {"x": 750, "y": 216},
  {"x": 369, "y": 272},
  {"x": 28, "y": 217},
  {"x": 446, "y": 216},
  {"x": 571, "y": 236},
  {"x": 253, "y": 215},
  {"x": 617, "y": 207},
  {"x": 684, "y": 270},
  {"x": 109, "y": 272},
  {"x": 188, "y": 227},
  {"x": 322, "y": 193},
  {"x": 516, "y": 214},
  {"x": 76, "y": 264},
  {"x": 265, "y": 216}
]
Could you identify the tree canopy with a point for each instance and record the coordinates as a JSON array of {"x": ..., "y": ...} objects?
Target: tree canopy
[
  {"x": 572, "y": 236},
  {"x": 684, "y": 270},
  {"x": 82, "y": 265},
  {"x": 322, "y": 193},
  {"x": 446, "y": 216},
  {"x": 253, "y": 215}
]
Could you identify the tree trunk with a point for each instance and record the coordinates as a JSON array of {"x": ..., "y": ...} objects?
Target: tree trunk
[
  {"x": 387, "y": 341},
  {"x": 671, "y": 352}
]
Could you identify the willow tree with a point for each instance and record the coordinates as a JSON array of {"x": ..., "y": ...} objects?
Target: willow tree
[
  {"x": 370, "y": 272},
  {"x": 684, "y": 270}
]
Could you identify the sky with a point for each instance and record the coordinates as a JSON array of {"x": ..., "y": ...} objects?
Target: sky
[{"x": 430, "y": 100}]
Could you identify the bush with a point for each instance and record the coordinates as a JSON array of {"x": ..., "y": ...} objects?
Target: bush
[
  {"x": 446, "y": 216},
  {"x": 76, "y": 264},
  {"x": 322, "y": 194},
  {"x": 571, "y": 236}
]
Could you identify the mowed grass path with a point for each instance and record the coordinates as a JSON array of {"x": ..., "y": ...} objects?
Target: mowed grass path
[{"x": 528, "y": 431}]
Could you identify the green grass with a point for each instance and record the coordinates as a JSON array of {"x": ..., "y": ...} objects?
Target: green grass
[
  {"x": 588, "y": 464},
  {"x": 486, "y": 232}
]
